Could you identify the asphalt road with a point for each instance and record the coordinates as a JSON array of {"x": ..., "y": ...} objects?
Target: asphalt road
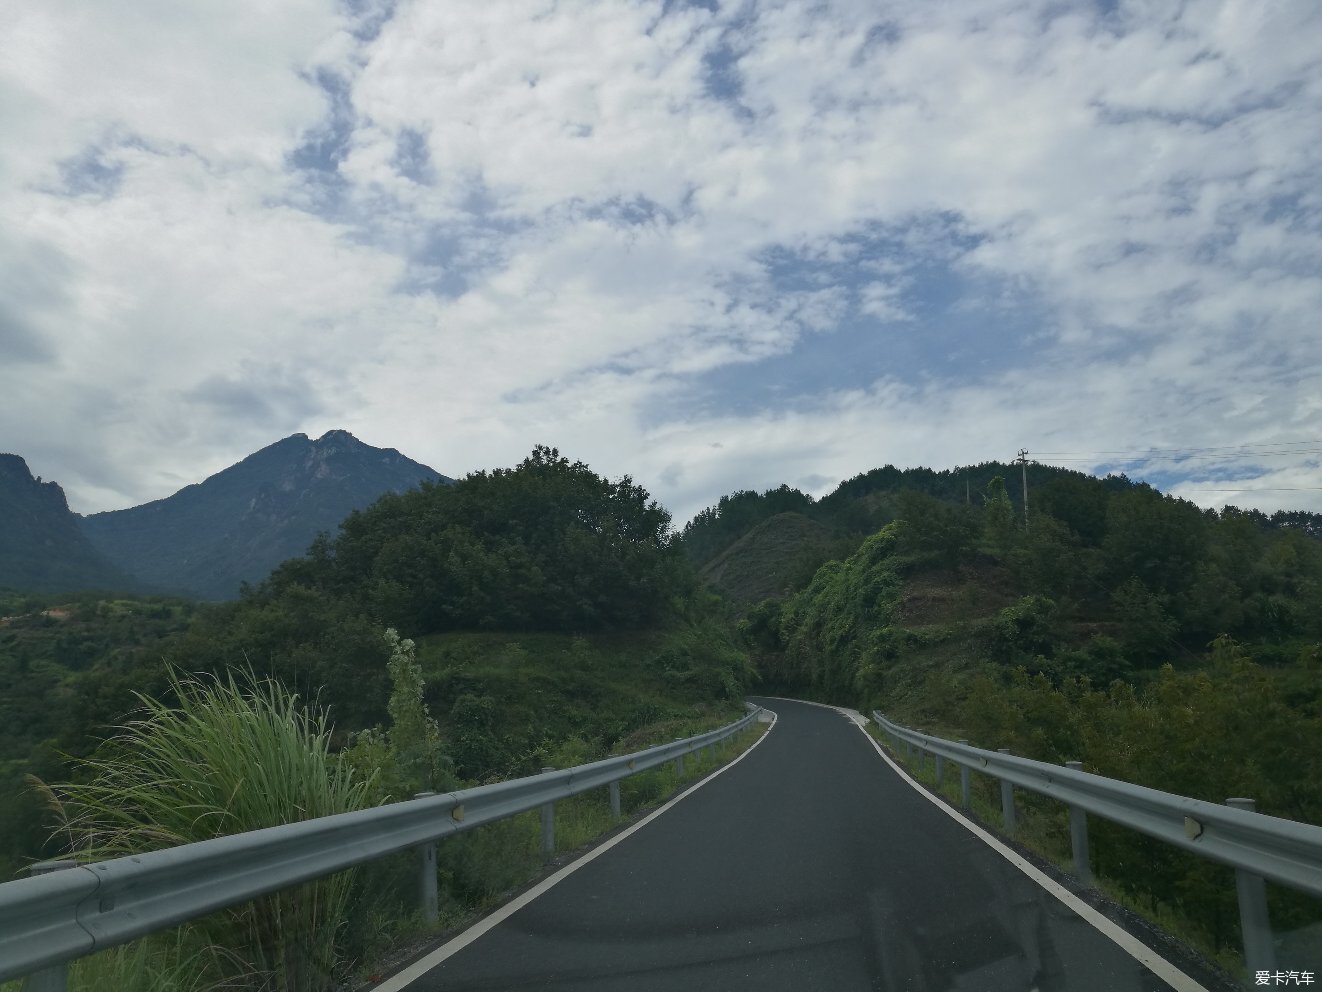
[{"x": 808, "y": 865}]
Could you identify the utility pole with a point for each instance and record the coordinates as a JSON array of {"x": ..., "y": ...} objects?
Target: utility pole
[{"x": 1023, "y": 463}]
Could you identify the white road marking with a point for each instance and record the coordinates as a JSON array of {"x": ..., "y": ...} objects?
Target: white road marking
[
  {"x": 1126, "y": 941},
  {"x": 417, "y": 969}
]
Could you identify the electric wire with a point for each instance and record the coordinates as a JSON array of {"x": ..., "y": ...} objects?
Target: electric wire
[{"x": 1248, "y": 448}]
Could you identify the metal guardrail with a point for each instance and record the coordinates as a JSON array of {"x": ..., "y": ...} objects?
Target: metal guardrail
[
  {"x": 50, "y": 919},
  {"x": 1257, "y": 846}
]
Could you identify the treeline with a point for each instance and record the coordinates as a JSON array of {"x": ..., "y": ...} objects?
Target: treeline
[
  {"x": 1157, "y": 575},
  {"x": 858, "y": 506},
  {"x": 548, "y": 545},
  {"x": 864, "y": 504}
]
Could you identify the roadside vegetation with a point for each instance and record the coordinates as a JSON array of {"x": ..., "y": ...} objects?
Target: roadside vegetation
[
  {"x": 242, "y": 753},
  {"x": 454, "y": 635},
  {"x": 1155, "y": 642},
  {"x": 542, "y": 615}
]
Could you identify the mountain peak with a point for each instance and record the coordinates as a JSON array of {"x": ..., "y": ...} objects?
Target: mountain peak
[
  {"x": 13, "y": 466},
  {"x": 243, "y": 521},
  {"x": 14, "y": 472},
  {"x": 41, "y": 547}
]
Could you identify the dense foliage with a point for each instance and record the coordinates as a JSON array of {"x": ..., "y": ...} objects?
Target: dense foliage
[
  {"x": 68, "y": 668},
  {"x": 1105, "y": 580},
  {"x": 548, "y": 545},
  {"x": 1156, "y": 642},
  {"x": 546, "y": 552},
  {"x": 864, "y": 504}
]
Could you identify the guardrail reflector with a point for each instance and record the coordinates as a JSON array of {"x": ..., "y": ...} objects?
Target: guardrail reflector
[
  {"x": 457, "y": 814},
  {"x": 1192, "y": 828}
]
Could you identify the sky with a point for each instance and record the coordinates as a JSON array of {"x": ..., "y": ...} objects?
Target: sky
[{"x": 713, "y": 246}]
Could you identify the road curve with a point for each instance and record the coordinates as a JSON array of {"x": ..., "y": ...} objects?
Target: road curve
[{"x": 808, "y": 865}]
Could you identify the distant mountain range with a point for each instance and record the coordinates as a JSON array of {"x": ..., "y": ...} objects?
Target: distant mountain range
[{"x": 206, "y": 539}]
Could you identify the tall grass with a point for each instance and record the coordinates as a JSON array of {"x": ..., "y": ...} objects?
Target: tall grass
[{"x": 234, "y": 754}]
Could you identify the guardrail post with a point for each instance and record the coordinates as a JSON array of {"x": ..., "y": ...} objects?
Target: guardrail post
[
  {"x": 1254, "y": 923},
  {"x": 428, "y": 900},
  {"x": 679, "y": 762},
  {"x": 548, "y": 823},
  {"x": 1007, "y": 799},
  {"x": 963, "y": 782},
  {"x": 1079, "y": 837},
  {"x": 940, "y": 772},
  {"x": 615, "y": 800},
  {"x": 56, "y": 977}
]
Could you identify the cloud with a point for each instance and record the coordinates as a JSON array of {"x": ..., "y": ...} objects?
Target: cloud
[
  {"x": 19, "y": 342},
  {"x": 823, "y": 237},
  {"x": 267, "y": 397}
]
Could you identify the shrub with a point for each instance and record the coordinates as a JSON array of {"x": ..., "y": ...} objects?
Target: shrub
[{"x": 234, "y": 754}]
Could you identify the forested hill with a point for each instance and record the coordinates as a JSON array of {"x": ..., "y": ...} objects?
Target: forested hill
[
  {"x": 1156, "y": 642},
  {"x": 236, "y": 526},
  {"x": 757, "y": 545}
]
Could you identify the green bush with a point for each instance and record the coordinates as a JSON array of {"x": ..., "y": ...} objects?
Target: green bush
[
  {"x": 1026, "y": 628},
  {"x": 234, "y": 754}
]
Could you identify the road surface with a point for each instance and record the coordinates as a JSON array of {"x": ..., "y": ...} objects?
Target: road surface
[{"x": 809, "y": 864}]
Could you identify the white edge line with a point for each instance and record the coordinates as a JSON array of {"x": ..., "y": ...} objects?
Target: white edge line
[
  {"x": 845, "y": 711},
  {"x": 417, "y": 969},
  {"x": 1126, "y": 941}
]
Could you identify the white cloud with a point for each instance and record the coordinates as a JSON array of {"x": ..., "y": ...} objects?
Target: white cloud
[{"x": 546, "y": 223}]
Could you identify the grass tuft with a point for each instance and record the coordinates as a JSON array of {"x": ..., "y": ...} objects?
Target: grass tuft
[{"x": 235, "y": 754}]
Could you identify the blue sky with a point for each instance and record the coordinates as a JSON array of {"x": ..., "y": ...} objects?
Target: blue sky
[{"x": 713, "y": 246}]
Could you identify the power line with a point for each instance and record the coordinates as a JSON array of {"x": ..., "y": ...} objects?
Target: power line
[
  {"x": 1262, "y": 489},
  {"x": 1195, "y": 456},
  {"x": 1246, "y": 447}
]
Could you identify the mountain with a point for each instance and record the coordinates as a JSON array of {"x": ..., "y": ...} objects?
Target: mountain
[
  {"x": 41, "y": 546},
  {"x": 240, "y": 523}
]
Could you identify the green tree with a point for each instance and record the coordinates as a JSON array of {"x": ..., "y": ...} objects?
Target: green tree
[
  {"x": 1147, "y": 631},
  {"x": 1155, "y": 538},
  {"x": 998, "y": 516},
  {"x": 548, "y": 545},
  {"x": 946, "y": 532},
  {"x": 1079, "y": 502}
]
